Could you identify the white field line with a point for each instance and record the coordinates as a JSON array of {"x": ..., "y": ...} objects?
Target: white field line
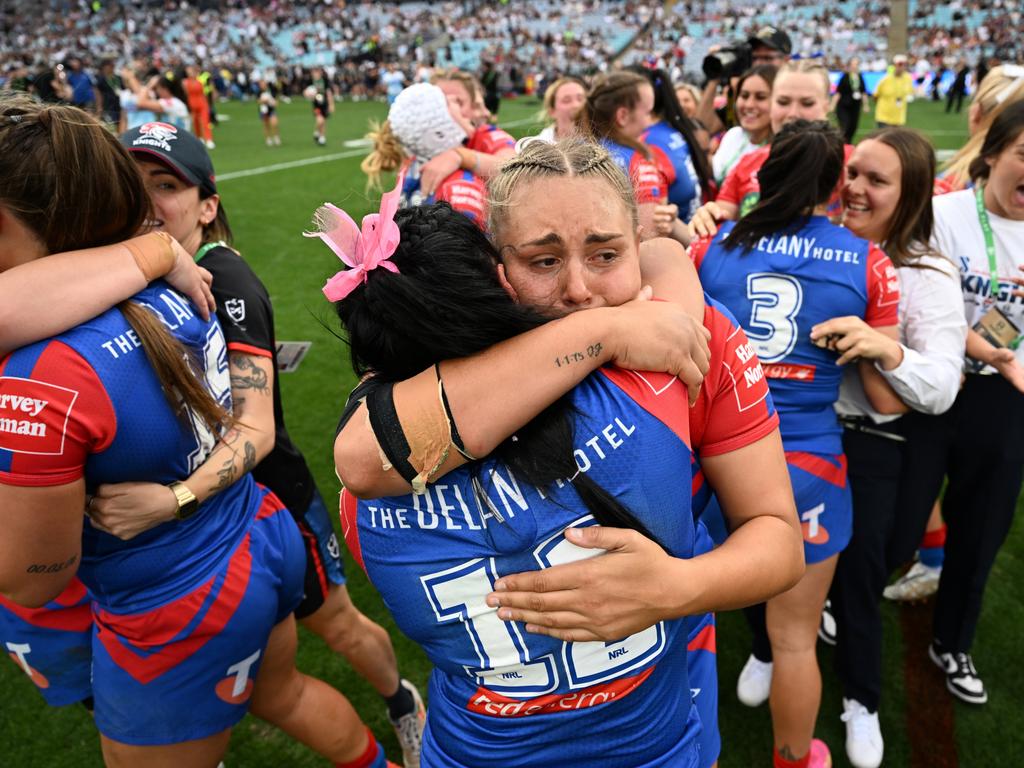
[
  {"x": 356, "y": 152},
  {"x": 285, "y": 166}
]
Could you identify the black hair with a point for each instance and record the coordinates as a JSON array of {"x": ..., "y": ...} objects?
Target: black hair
[
  {"x": 1001, "y": 134},
  {"x": 666, "y": 105},
  {"x": 446, "y": 302},
  {"x": 801, "y": 172}
]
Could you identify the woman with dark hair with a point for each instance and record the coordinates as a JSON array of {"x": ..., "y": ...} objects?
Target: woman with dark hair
[
  {"x": 575, "y": 183},
  {"x": 884, "y": 203},
  {"x": 673, "y": 132},
  {"x": 782, "y": 269},
  {"x": 982, "y": 230},
  {"x": 192, "y": 619},
  {"x": 753, "y": 101}
]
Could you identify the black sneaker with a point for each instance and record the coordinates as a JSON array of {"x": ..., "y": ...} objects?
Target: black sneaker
[{"x": 961, "y": 676}]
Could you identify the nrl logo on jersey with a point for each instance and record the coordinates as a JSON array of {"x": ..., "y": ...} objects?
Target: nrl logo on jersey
[
  {"x": 156, "y": 135},
  {"x": 235, "y": 309}
]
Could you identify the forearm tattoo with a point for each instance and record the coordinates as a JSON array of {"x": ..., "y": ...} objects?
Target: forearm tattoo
[
  {"x": 229, "y": 472},
  {"x": 592, "y": 351}
]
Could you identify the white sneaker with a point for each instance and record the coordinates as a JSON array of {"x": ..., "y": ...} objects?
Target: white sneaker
[
  {"x": 918, "y": 583},
  {"x": 864, "y": 744},
  {"x": 409, "y": 729},
  {"x": 755, "y": 682},
  {"x": 210, "y": 144}
]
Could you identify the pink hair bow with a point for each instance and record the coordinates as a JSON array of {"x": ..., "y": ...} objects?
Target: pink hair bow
[{"x": 362, "y": 251}]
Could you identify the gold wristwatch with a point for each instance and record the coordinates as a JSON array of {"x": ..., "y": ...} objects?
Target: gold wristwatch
[{"x": 187, "y": 501}]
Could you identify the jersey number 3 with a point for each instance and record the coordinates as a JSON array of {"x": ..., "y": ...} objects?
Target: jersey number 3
[
  {"x": 506, "y": 664},
  {"x": 775, "y": 301}
]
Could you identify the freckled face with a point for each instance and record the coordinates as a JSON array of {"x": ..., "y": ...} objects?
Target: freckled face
[{"x": 569, "y": 244}]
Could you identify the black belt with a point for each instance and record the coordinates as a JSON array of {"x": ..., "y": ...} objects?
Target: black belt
[{"x": 868, "y": 427}]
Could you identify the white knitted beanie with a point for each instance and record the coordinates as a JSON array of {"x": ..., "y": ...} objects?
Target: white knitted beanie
[{"x": 421, "y": 121}]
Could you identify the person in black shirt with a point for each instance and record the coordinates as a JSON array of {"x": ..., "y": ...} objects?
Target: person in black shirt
[
  {"x": 180, "y": 171},
  {"x": 958, "y": 90},
  {"x": 850, "y": 100}
]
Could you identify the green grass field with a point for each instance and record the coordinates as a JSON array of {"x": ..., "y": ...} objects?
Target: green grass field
[{"x": 268, "y": 209}]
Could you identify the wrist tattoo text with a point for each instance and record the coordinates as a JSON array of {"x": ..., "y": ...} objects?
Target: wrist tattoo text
[{"x": 592, "y": 351}]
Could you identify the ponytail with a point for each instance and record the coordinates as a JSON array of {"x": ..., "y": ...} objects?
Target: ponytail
[
  {"x": 801, "y": 172},
  {"x": 387, "y": 155},
  {"x": 667, "y": 106},
  {"x": 610, "y": 92},
  {"x": 174, "y": 365}
]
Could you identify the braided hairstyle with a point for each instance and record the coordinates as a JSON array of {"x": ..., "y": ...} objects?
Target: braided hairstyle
[
  {"x": 606, "y": 96},
  {"x": 801, "y": 172},
  {"x": 446, "y": 302},
  {"x": 538, "y": 159}
]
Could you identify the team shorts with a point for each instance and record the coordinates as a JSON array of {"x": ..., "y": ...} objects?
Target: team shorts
[
  {"x": 52, "y": 644},
  {"x": 186, "y": 670},
  {"x": 702, "y": 668},
  {"x": 320, "y": 108},
  {"x": 324, "y": 565},
  {"x": 824, "y": 503}
]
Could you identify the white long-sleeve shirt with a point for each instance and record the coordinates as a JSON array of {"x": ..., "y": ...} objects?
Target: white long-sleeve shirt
[{"x": 933, "y": 334}]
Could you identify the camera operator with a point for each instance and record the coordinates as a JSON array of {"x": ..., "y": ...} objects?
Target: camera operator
[{"x": 724, "y": 66}]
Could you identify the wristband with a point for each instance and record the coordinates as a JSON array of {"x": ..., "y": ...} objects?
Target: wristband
[{"x": 153, "y": 254}]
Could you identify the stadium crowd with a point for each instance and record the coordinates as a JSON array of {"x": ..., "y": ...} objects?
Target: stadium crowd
[{"x": 799, "y": 426}]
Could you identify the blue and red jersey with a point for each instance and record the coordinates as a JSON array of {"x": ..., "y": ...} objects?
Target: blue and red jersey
[
  {"x": 741, "y": 187},
  {"x": 496, "y": 688},
  {"x": 734, "y": 408},
  {"x": 463, "y": 190},
  {"x": 490, "y": 140},
  {"x": 684, "y": 191},
  {"x": 782, "y": 288},
  {"x": 651, "y": 177},
  {"x": 87, "y": 403}
]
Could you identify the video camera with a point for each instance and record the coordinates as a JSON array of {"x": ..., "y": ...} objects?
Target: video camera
[
  {"x": 737, "y": 58},
  {"x": 731, "y": 61}
]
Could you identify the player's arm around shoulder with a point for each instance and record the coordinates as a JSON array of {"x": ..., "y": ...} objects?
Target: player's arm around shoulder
[{"x": 671, "y": 274}]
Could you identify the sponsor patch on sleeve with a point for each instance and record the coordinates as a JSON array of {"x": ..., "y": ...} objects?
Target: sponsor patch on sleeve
[{"x": 34, "y": 416}]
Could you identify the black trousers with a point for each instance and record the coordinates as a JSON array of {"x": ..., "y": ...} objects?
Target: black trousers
[
  {"x": 954, "y": 95},
  {"x": 875, "y": 467},
  {"x": 849, "y": 119},
  {"x": 978, "y": 446}
]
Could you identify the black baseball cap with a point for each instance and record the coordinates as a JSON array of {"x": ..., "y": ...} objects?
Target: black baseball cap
[
  {"x": 176, "y": 148},
  {"x": 772, "y": 37}
]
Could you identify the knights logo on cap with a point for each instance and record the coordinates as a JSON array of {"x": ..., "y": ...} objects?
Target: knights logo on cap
[{"x": 156, "y": 135}]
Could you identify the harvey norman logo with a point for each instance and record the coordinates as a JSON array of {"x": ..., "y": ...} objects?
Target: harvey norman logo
[{"x": 34, "y": 416}]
